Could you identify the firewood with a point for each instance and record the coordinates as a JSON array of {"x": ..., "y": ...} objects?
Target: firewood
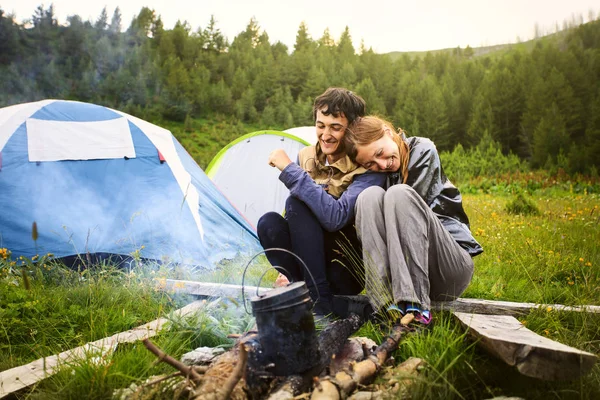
[
  {"x": 363, "y": 372},
  {"x": 325, "y": 390},
  {"x": 333, "y": 337},
  {"x": 224, "y": 391},
  {"x": 401, "y": 378},
  {"x": 222, "y": 380},
  {"x": 288, "y": 388},
  {"x": 187, "y": 371}
]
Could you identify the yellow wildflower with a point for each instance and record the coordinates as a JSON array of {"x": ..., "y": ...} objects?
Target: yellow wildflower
[{"x": 179, "y": 285}]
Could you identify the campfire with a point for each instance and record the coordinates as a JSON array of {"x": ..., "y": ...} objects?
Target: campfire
[{"x": 285, "y": 356}]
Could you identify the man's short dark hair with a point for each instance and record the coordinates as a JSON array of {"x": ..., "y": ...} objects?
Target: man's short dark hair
[{"x": 337, "y": 101}]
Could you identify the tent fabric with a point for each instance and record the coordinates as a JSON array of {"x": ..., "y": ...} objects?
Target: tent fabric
[
  {"x": 65, "y": 140},
  {"x": 241, "y": 171},
  {"x": 109, "y": 183},
  {"x": 306, "y": 133}
]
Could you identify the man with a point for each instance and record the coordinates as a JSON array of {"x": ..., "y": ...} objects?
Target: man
[{"x": 319, "y": 214}]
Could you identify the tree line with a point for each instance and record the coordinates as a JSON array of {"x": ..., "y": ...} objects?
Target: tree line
[{"x": 538, "y": 100}]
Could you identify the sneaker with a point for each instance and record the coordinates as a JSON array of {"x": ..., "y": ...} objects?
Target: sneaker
[
  {"x": 388, "y": 316},
  {"x": 422, "y": 317},
  {"x": 397, "y": 308}
]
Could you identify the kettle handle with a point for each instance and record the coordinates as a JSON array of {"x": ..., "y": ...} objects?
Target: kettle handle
[{"x": 261, "y": 277}]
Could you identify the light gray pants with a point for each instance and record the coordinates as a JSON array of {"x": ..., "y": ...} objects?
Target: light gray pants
[{"x": 409, "y": 255}]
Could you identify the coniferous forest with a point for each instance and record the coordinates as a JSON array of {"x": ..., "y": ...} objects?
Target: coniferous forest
[{"x": 538, "y": 100}]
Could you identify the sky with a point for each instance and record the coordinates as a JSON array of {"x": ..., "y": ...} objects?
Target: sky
[{"x": 392, "y": 25}]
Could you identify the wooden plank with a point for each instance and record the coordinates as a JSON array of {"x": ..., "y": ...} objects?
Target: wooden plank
[
  {"x": 478, "y": 306},
  {"x": 208, "y": 289},
  {"x": 21, "y": 377},
  {"x": 533, "y": 355}
]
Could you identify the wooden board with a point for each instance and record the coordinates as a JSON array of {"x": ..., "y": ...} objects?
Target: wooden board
[
  {"x": 477, "y": 306},
  {"x": 533, "y": 355},
  {"x": 21, "y": 377},
  {"x": 207, "y": 289}
]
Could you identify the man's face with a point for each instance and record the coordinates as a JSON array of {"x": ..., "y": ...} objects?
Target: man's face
[{"x": 330, "y": 131}]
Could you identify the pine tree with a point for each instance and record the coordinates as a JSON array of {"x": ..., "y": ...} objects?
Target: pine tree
[
  {"x": 592, "y": 136},
  {"x": 482, "y": 120},
  {"x": 303, "y": 39},
  {"x": 550, "y": 138},
  {"x": 345, "y": 48},
  {"x": 102, "y": 21},
  {"x": 115, "y": 22},
  {"x": 9, "y": 38},
  {"x": 367, "y": 91},
  {"x": 212, "y": 37}
]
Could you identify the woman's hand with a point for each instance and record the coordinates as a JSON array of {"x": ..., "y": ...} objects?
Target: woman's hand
[{"x": 279, "y": 158}]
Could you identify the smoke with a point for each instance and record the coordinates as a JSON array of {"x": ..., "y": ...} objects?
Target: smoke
[{"x": 105, "y": 206}]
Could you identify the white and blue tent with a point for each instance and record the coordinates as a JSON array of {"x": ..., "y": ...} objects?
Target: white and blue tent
[{"x": 99, "y": 181}]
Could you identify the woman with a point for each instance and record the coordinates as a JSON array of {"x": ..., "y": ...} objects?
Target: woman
[{"x": 417, "y": 245}]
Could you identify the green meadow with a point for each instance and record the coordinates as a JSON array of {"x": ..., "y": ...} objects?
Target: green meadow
[{"x": 541, "y": 246}]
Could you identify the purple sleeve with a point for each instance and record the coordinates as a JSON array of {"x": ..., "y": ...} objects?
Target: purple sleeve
[{"x": 333, "y": 213}]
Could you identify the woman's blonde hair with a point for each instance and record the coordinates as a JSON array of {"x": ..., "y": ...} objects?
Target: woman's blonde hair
[{"x": 367, "y": 130}]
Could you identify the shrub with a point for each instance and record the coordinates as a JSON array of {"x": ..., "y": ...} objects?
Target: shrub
[{"x": 522, "y": 205}]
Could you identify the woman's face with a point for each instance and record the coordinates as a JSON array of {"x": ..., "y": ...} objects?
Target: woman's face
[{"x": 381, "y": 155}]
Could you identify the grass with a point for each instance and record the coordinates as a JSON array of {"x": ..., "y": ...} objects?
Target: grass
[
  {"x": 59, "y": 309},
  {"x": 552, "y": 257},
  {"x": 549, "y": 258},
  {"x": 98, "y": 378},
  {"x": 46, "y": 308}
]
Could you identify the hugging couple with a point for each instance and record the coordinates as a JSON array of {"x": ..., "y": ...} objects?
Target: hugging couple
[{"x": 369, "y": 208}]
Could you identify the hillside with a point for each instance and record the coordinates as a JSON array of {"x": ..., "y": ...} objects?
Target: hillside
[{"x": 482, "y": 50}]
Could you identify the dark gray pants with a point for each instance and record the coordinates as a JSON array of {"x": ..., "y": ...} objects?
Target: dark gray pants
[{"x": 409, "y": 255}]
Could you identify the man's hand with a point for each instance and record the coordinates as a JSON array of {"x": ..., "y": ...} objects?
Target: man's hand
[{"x": 279, "y": 158}]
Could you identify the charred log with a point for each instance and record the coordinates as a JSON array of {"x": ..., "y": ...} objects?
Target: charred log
[{"x": 333, "y": 337}]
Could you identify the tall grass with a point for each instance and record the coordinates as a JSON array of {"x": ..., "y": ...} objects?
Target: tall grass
[{"x": 46, "y": 308}]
